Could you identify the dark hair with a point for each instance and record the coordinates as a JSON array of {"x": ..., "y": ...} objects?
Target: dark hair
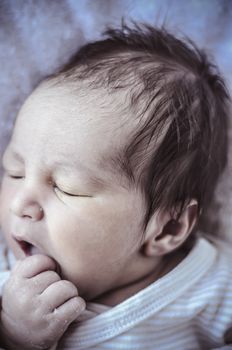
[{"x": 180, "y": 148}]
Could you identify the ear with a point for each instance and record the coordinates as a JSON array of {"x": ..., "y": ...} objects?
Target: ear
[{"x": 164, "y": 234}]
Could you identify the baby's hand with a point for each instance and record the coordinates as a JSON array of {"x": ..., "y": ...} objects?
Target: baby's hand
[{"x": 37, "y": 306}]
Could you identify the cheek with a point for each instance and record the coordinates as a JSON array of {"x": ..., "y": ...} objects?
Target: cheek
[
  {"x": 6, "y": 196},
  {"x": 100, "y": 230}
]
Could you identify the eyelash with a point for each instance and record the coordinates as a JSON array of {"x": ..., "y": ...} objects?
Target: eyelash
[
  {"x": 66, "y": 193},
  {"x": 71, "y": 194},
  {"x": 55, "y": 187},
  {"x": 15, "y": 177}
]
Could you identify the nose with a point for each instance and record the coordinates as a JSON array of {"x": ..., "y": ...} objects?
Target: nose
[{"x": 25, "y": 205}]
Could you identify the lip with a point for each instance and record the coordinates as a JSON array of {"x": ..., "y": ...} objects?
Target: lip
[
  {"x": 29, "y": 249},
  {"x": 26, "y": 247}
]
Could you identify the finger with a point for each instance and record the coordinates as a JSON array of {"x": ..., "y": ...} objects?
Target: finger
[
  {"x": 35, "y": 264},
  {"x": 70, "y": 310},
  {"x": 61, "y": 317},
  {"x": 44, "y": 279},
  {"x": 58, "y": 293}
]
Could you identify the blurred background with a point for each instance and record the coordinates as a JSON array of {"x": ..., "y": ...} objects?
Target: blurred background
[{"x": 37, "y": 36}]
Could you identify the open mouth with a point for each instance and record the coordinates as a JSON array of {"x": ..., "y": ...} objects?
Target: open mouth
[{"x": 27, "y": 248}]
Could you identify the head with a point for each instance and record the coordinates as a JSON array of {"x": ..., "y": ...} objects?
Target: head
[{"x": 113, "y": 158}]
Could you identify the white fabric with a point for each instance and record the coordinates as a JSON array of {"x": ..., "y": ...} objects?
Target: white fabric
[{"x": 190, "y": 308}]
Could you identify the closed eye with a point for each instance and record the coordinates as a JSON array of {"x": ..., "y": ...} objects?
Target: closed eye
[
  {"x": 67, "y": 193},
  {"x": 56, "y": 188},
  {"x": 15, "y": 177}
]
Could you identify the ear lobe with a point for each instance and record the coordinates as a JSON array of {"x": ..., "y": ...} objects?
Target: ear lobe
[{"x": 164, "y": 234}]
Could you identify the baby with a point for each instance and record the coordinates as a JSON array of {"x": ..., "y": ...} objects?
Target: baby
[{"x": 111, "y": 162}]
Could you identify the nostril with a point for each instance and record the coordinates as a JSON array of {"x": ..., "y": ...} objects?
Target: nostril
[
  {"x": 26, "y": 216},
  {"x": 27, "y": 210}
]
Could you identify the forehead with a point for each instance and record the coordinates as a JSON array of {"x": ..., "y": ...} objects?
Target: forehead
[
  {"x": 63, "y": 123},
  {"x": 76, "y": 106}
]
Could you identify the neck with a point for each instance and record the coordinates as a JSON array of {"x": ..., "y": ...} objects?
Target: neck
[{"x": 118, "y": 295}]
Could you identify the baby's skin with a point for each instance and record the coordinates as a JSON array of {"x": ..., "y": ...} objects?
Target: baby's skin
[
  {"x": 64, "y": 195},
  {"x": 37, "y": 305}
]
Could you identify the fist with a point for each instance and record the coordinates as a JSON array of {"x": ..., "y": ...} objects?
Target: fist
[{"x": 37, "y": 305}]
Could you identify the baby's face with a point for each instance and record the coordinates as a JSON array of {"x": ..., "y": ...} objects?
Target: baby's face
[{"x": 61, "y": 198}]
